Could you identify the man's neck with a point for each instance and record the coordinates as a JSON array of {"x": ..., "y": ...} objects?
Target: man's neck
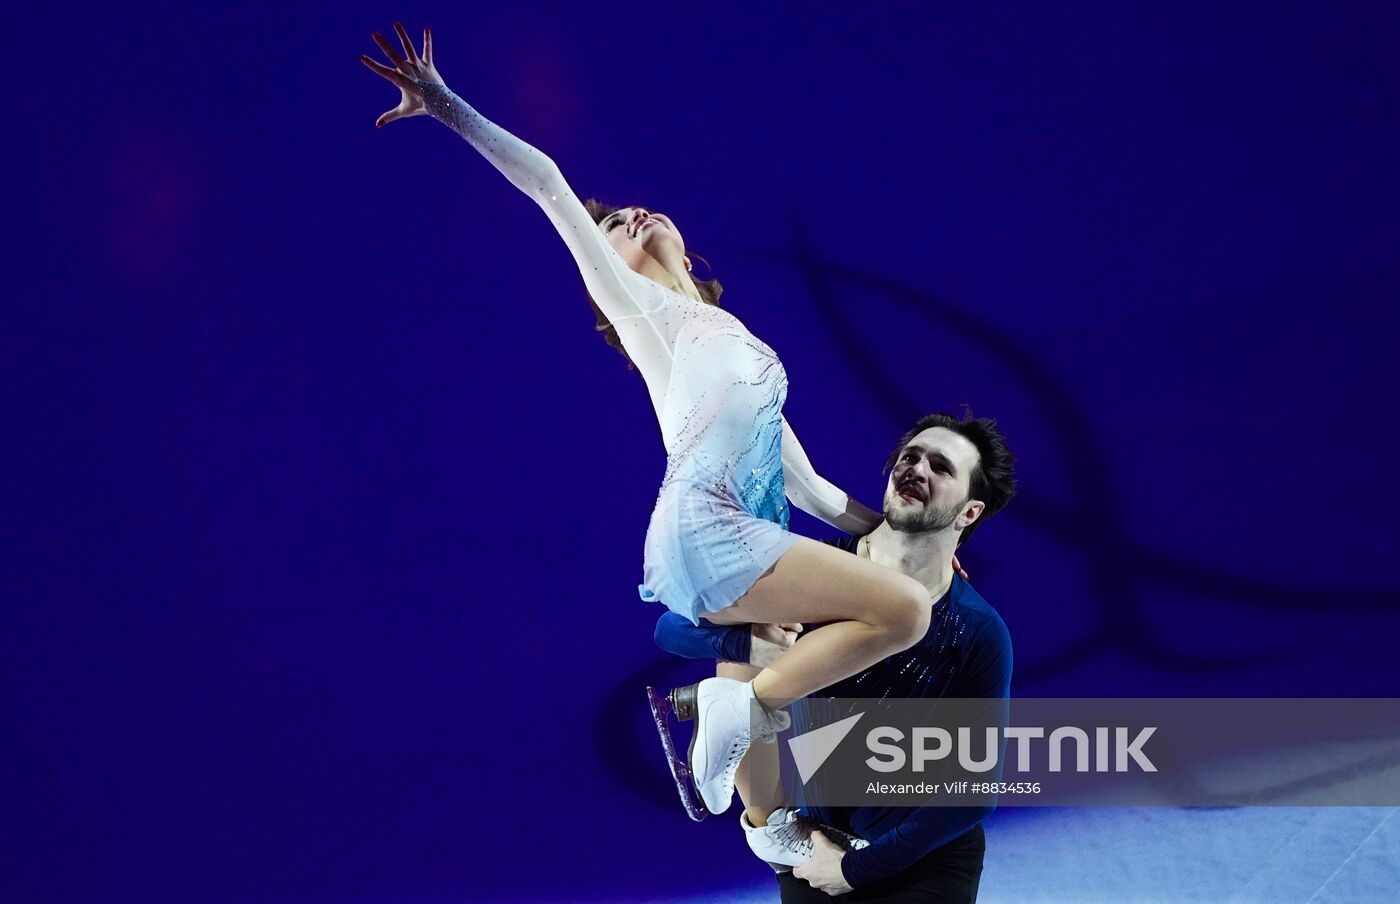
[{"x": 927, "y": 557}]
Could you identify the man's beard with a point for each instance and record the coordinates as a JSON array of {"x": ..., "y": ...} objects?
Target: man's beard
[{"x": 924, "y": 521}]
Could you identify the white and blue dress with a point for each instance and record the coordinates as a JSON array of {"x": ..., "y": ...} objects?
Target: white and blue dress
[{"x": 720, "y": 519}]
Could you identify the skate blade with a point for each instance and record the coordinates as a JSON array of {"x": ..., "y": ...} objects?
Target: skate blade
[{"x": 662, "y": 709}]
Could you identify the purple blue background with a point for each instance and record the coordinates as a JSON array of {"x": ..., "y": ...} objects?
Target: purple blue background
[{"x": 324, "y": 503}]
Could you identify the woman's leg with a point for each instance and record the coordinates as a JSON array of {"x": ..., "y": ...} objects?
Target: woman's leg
[
  {"x": 757, "y": 781},
  {"x": 870, "y": 611},
  {"x": 873, "y": 612}
]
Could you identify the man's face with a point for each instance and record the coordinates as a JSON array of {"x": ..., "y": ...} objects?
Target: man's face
[{"x": 928, "y": 488}]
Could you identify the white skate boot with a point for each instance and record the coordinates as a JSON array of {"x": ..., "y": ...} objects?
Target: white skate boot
[
  {"x": 722, "y": 737},
  {"x": 786, "y": 841}
]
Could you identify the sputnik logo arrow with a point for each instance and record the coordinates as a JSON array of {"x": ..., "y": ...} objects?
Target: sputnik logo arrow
[{"x": 810, "y": 750}]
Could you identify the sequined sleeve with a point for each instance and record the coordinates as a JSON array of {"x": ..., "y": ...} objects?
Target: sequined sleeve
[{"x": 630, "y": 301}]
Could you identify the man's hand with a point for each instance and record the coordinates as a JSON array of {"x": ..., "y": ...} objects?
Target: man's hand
[
  {"x": 768, "y": 642},
  {"x": 823, "y": 871}
]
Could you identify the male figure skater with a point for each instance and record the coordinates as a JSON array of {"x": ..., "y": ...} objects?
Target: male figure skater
[{"x": 946, "y": 476}]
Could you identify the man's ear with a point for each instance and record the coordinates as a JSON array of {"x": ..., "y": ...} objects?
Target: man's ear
[{"x": 970, "y": 513}]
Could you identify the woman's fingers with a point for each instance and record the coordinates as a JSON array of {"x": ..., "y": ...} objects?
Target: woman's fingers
[
  {"x": 409, "y": 52},
  {"x": 406, "y": 74},
  {"x": 957, "y": 566},
  {"x": 389, "y": 51},
  {"x": 393, "y": 75}
]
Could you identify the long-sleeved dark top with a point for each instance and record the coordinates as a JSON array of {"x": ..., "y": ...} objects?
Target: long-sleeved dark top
[{"x": 966, "y": 653}]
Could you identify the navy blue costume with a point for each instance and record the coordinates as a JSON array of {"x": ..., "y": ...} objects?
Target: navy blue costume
[{"x": 966, "y": 653}]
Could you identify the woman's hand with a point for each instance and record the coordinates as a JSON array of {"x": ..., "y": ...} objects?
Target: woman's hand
[{"x": 409, "y": 72}]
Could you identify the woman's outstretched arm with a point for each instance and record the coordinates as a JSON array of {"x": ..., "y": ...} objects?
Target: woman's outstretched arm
[
  {"x": 607, "y": 277},
  {"x": 818, "y": 496}
]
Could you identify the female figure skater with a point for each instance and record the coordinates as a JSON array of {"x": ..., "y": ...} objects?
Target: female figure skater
[{"x": 716, "y": 546}]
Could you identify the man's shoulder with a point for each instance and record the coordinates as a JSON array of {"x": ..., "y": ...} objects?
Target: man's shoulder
[{"x": 981, "y": 616}]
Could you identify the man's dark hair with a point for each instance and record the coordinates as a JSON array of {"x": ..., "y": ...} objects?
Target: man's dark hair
[{"x": 991, "y": 482}]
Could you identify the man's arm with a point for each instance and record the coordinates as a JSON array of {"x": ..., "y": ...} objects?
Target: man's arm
[
  {"x": 926, "y": 830},
  {"x": 986, "y": 674},
  {"x": 756, "y": 645},
  {"x": 728, "y": 643}
]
